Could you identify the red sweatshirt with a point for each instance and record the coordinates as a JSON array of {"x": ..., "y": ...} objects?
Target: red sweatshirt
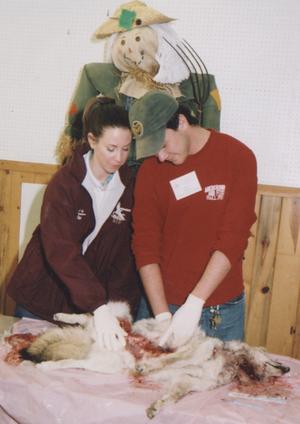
[{"x": 181, "y": 235}]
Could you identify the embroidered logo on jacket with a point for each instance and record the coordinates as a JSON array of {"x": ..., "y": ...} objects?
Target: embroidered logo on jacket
[
  {"x": 80, "y": 214},
  {"x": 215, "y": 192},
  {"x": 118, "y": 214}
]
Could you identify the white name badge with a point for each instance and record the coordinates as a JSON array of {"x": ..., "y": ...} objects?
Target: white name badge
[{"x": 185, "y": 185}]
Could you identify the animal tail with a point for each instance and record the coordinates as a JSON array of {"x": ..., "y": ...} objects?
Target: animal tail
[{"x": 57, "y": 344}]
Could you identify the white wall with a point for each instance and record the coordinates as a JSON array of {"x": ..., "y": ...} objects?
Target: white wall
[{"x": 251, "y": 46}]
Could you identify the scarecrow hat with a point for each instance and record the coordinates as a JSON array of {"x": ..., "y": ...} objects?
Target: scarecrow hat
[{"x": 128, "y": 16}]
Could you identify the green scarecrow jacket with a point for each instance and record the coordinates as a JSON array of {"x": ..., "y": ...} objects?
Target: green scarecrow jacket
[{"x": 105, "y": 79}]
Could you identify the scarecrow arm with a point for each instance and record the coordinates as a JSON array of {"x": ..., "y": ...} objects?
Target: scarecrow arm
[{"x": 95, "y": 79}]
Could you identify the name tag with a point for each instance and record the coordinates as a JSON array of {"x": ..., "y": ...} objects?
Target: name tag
[{"x": 185, "y": 185}]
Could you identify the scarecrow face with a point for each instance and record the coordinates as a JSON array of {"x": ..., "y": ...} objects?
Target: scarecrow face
[{"x": 136, "y": 49}]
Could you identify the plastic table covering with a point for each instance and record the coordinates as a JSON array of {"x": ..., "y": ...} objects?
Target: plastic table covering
[{"x": 72, "y": 396}]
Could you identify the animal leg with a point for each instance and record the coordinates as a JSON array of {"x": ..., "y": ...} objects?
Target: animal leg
[
  {"x": 177, "y": 391},
  {"x": 81, "y": 319},
  {"x": 150, "y": 364},
  {"x": 64, "y": 363}
]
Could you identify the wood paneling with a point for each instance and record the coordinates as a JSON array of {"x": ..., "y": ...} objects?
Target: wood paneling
[
  {"x": 271, "y": 265},
  {"x": 12, "y": 175},
  {"x": 272, "y": 272},
  {"x": 259, "y": 295}
]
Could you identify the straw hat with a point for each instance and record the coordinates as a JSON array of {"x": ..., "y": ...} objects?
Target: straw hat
[{"x": 131, "y": 15}]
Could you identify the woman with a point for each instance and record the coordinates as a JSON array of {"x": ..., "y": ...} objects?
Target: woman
[{"x": 79, "y": 257}]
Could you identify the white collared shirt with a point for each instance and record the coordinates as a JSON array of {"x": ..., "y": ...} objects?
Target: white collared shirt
[{"x": 104, "y": 197}]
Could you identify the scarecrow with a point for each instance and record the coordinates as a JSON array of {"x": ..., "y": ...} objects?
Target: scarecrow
[{"x": 143, "y": 53}]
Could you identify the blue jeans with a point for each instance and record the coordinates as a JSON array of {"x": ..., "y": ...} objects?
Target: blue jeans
[
  {"x": 226, "y": 321},
  {"x": 21, "y": 312}
]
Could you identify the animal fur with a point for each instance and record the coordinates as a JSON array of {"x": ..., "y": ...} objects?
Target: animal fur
[{"x": 203, "y": 363}]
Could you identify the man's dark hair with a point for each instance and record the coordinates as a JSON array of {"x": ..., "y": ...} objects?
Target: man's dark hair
[
  {"x": 102, "y": 112},
  {"x": 182, "y": 110}
]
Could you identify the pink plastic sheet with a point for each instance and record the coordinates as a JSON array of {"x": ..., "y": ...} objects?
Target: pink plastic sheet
[{"x": 32, "y": 396}]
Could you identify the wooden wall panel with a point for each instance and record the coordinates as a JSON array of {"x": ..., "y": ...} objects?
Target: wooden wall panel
[
  {"x": 11, "y": 259},
  {"x": 283, "y": 309},
  {"x": 12, "y": 175},
  {"x": 271, "y": 265},
  {"x": 249, "y": 258},
  {"x": 286, "y": 283},
  {"x": 263, "y": 269},
  {"x": 296, "y": 348},
  {"x": 272, "y": 272},
  {"x": 5, "y": 200}
]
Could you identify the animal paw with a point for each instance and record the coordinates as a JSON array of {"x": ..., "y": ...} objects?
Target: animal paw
[
  {"x": 47, "y": 365},
  {"x": 152, "y": 410},
  {"x": 60, "y": 316},
  {"x": 81, "y": 319}
]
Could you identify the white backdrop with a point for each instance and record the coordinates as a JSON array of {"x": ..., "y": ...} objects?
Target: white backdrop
[{"x": 251, "y": 46}]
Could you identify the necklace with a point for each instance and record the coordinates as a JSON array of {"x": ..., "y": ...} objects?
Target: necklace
[{"x": 104, "y": 184}]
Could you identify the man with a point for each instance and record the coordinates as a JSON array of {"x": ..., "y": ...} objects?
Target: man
[{"x": 194, "y": 206}]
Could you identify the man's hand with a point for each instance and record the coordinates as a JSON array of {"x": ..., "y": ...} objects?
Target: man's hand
[
  {"x": 184, "y": 322},
  {"x": 109, "y": 334}
]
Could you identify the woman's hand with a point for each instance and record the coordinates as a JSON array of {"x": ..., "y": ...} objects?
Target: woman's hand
[{"x": 109, "y": 334}]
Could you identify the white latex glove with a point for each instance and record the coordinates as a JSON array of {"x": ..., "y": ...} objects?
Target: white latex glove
[
  {"x": 109, "y": 334},
  {"x": 163, "y": 316},
  {"x": 184, "y": 322}
]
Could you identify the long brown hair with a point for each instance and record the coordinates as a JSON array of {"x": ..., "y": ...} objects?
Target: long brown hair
[{"x": 102, "y": 112}]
